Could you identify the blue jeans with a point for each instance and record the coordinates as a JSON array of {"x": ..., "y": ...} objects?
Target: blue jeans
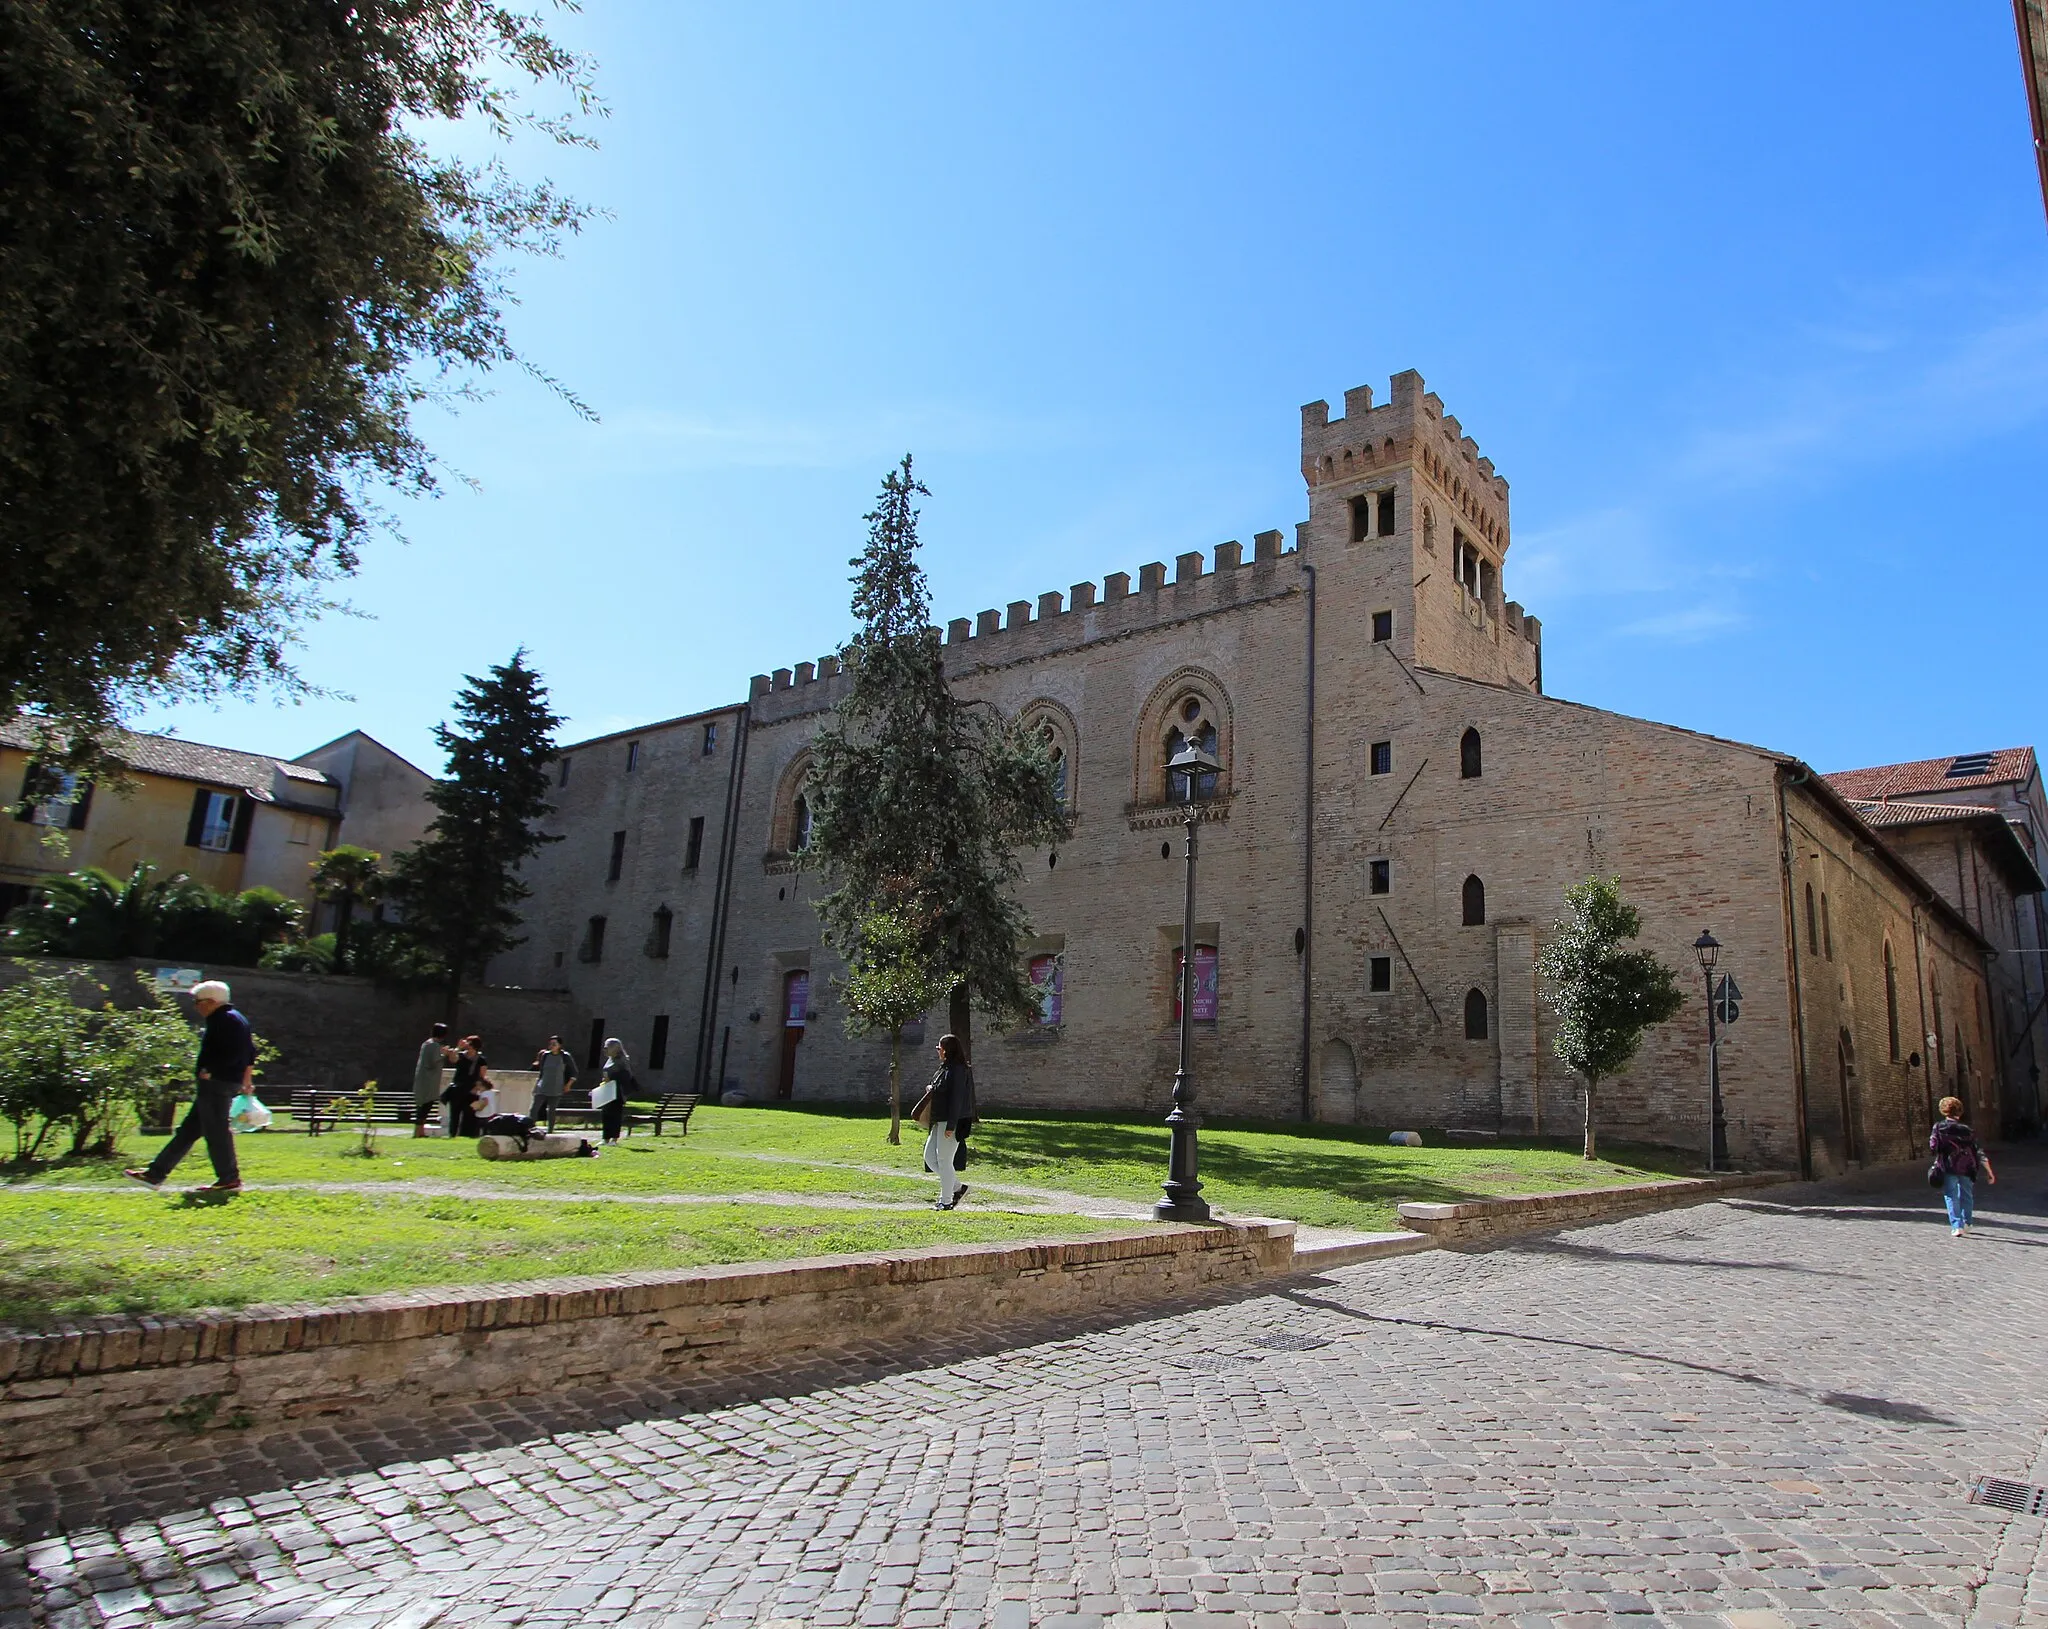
[{"x": 1959, "y": 1193}]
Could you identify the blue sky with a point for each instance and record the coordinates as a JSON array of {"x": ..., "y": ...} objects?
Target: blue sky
[{"x": 1748, "y": 303}]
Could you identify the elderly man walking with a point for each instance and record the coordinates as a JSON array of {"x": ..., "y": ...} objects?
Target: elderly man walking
[{"x": 226, "y": 1065}]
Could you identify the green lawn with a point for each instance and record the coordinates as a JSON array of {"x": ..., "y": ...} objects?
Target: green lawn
[
  {"x": 75, "y": 1252},
  {"x": 75, "y": 1237}
]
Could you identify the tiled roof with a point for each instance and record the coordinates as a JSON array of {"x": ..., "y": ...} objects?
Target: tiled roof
[
  {"x": 183, "y": 760},
  {"x": 1956, "y": 773},
  {"x": 1917, "y": 814}
]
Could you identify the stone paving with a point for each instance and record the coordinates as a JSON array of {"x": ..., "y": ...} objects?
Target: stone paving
[{"x": 1761, "y": 1413}]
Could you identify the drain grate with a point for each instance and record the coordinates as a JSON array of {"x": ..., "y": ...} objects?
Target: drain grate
[
  {"x": 2022, "y": 1498},
  {"x": 1284, "y": 1342}
]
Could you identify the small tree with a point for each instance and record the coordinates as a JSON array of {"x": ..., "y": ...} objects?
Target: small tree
[
  {"x": 920, "y": 799},
  {"x": 460, "y": 887},
  {"x": 890, "y": 984},
  {"x": 345, "y": 877},
  {"x": 64, "y": 1067},
  {"x": 1604, "y": 995}
]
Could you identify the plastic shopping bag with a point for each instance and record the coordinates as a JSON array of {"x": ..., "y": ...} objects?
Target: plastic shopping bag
[{"x": 247, "y": 1113}]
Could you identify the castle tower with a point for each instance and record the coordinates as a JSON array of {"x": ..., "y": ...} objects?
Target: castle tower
[{"x": 1408, "y": 525}]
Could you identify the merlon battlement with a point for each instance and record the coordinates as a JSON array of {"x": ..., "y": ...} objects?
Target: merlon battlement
[
  {"x": 1055, "y": 620},
  {"x": 1412, "y": 425}
]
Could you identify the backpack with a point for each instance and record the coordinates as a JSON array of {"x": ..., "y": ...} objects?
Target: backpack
[{"x": 509, "y": 1125}]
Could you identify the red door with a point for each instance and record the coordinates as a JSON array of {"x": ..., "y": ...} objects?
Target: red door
[{"x": 796, "y": 1013}]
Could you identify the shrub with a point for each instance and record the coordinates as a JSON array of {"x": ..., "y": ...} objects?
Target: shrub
[{"x": 69, "y": 1069}]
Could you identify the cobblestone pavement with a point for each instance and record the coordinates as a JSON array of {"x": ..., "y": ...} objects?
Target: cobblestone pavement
[{"x": 1759, "y": 1413}]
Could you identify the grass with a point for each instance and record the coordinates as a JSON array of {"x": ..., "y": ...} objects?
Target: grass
[
  {"x": 67, "y": 1254},
  {"x": 76, "y": 1238}
]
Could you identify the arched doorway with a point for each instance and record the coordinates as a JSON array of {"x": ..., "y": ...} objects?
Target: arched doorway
[{"x": 1337, "y": 1085}]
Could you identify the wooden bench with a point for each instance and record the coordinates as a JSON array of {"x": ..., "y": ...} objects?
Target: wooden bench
[
  {"x": 323, "y": 1108},
  {"x": 669, "y": 1108}
]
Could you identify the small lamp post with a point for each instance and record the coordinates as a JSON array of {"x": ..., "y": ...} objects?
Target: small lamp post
[
  {"x": 1183, "y": 1201},
  {"x": 1708, "y": 949}
]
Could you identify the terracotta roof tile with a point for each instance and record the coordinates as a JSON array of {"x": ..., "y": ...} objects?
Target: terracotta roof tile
[
  {"x": 183, "y": 760},
  {"x": 2002, "y": 767}
]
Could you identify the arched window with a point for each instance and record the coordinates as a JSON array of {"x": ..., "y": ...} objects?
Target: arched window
[
  {"x": 1812, "y": 924},
  {"x": 1475, "y": 1015},
  {"x": 1468, "y": 755},
  {"x": 800, "y": 824},
  {"x": 1187, "y": 708},
  {"x": 1052, "y": 727},
  {"x": 1192, "y": 724},
  {"x": 1475, "y": 903},
  {"x": 1891, "y": 1000}
]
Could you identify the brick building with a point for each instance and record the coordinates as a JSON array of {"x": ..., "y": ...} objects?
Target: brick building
[{"x": 1398, "y": 813}]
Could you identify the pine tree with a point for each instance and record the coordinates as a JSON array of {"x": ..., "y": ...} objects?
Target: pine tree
[
  {"x": 460, "y": 887},
  {"x": 1604, "y": 995},
  {"x": 920, "y": 800}
]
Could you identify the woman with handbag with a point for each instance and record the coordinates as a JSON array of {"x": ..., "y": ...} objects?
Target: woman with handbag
[
  {"x": 1958, "y": 1164},
  {"x": 614, "y": 1081},
  {"x": 947, "y": 1110}
]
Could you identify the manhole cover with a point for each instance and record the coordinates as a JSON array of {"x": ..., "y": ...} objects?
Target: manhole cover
[
  {"x": 2022, "y": 1498},
  {"x": 1284, "y": 1342}
]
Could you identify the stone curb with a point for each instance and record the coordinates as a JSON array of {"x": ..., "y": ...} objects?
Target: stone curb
[{"x": 1479, "y": 1219}]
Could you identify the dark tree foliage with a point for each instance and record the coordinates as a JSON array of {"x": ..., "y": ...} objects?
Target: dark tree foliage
[
  {"x": 460, "y": 886},
  {"x": 920, "y": 799},
  {"x": 228, "y": 274},
  {"x": 1604, "y": 994}
]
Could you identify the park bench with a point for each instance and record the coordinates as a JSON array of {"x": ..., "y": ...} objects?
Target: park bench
[
  {"x": 321, "y": 1108},
  {"x": 670, "y": 1108}
]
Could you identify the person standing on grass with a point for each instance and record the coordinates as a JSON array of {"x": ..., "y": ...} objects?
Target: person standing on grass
[
  {"x": 614, "y": 1081},
  {"x": 226, "y": 1066},
  {"x": 556, "y": 1069},
  {"x": 952, "y": 1117},
  {"x": 426, "y": 1078},
  {"x": 1962, "y": 1163},
  {"x": 472, "y": 1079}
]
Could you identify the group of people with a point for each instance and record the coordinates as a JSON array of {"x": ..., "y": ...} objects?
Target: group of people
[
  {"x": 226, "y": 1067},
  {"x": 472, "y": 1097}
]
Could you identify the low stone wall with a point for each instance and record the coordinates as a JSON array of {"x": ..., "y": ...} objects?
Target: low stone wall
[
  {"x": 1476, "y": 1220},
  {"x": 114, "y": 1385}
]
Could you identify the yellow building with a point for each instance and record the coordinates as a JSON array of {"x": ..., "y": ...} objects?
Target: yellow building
[{"x": 232, "y": 820}]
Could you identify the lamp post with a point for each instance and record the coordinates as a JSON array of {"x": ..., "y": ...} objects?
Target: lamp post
[
  {"x": 1183, "y": 1201},
  {"x": 1708, "y": 949}
]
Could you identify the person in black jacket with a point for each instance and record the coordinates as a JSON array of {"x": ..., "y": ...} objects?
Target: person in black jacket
[
  {"x": 226, "y": 1065},
  {"x": 952, "y": 1117},
  {"x": 1961, "y": 1163}
]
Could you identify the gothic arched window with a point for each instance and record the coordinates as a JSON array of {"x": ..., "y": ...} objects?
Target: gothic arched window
[
  {"x": 1475, "y": 1015},
  {"x": 1475, "y": 903},
  {"x": 1192, "y": 725},
  {"x": 800, "y": 824},
  {"x": 1468, "y": 755}
]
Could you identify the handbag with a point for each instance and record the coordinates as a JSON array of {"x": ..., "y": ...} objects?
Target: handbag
[
  {"x": 921, "y": 1115},
  {"x": 1936, "y": 1176}
]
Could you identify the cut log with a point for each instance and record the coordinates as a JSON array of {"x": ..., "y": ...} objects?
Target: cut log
[{"x": 538, "y": 1147}]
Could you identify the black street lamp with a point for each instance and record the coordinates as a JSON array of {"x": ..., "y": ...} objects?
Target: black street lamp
[
  {"x": 1183, "y": 1201},
  {"x": 1708, "y": 949}
]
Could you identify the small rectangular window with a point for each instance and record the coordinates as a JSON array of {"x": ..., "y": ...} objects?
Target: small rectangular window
[
  {"x": 1361, "y": 519},
  {"x": 657, "y": 1043},
  {"x": 1386, "y": 525},
  {"x": 213, "y": 822},
  {"x": 1382, "y": 873},
  {"x": 593, "y": 1059},
  {"x": 1383, "y": 757},
  {"x": 618, "y": 859},
  {"x": 632, "y": 756},
  {"x": 1382, "y": 627},
  {"x": 710, "y": 739},
  {"x": 693, "y": 854},
  {"x": 564, "y": 780},
  {"x": 593, "y": 940},
  {"x": 664, "y": 932},
  {"x": 1827, "y": 930},
  {"x": 1379, "y": 973}
]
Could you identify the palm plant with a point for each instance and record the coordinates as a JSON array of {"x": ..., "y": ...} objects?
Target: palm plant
[
  {"x": 345, "y": 877},
  {"x": 92, "y": 912}
]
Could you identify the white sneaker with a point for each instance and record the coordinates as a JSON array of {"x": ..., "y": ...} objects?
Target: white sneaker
[{"x": 1955, "y": 1233}]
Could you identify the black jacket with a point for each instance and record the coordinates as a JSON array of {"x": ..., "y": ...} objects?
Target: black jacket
[
  {"x": 227, "y": 1050},
  {"x": 953, "y": 1097}
]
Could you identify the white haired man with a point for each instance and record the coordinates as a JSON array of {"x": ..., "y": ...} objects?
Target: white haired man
[{"x": 226, "y": 1065}]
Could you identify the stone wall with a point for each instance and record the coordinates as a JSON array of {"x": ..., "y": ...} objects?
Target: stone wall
[
  {"x": 1482, "y": 1221},
  {"x": 340, "y": 1032},
  {"x": 116, "y": 1384}
]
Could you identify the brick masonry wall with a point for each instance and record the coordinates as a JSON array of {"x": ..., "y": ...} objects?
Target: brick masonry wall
[
  {"x": 1482, "y": 1221},
  {"x": 340, "y": 1032},
  {"x": 119, "y": 1384}
]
